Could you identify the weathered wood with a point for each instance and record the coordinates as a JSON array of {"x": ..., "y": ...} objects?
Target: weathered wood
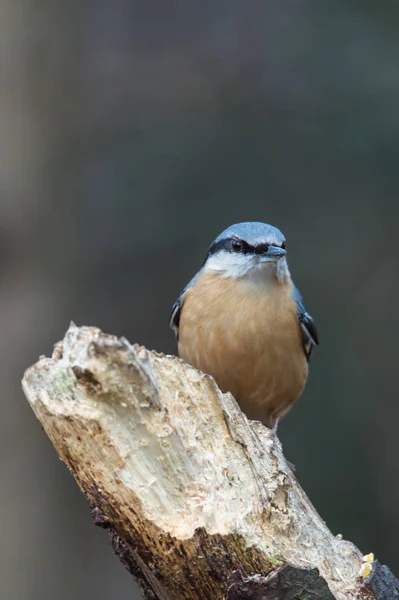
[{"x": 200, "y": 502}]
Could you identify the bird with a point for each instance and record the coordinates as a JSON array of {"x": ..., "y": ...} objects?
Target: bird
[{"x": 242, "y": 320}]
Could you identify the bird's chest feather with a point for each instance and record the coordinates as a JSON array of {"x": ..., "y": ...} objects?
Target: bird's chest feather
[{"x": 247, "y": 337}]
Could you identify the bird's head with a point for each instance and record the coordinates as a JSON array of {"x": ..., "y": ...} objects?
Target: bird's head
[{"x": 252, "y": 251}]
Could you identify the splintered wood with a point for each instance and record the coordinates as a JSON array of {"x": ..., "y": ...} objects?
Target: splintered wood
[{"x": 200, "y": 502}]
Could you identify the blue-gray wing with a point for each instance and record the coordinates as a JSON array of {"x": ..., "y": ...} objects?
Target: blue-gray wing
[
  {"x": 310, "y": 337},
  {"x": 177, "y": 308}
]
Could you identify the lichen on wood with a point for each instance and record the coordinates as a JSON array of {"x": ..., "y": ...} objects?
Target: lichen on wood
[{"x": 199, "y": 501}]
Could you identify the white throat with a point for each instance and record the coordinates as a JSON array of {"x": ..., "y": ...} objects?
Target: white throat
[{"x": 250, "y": 269}]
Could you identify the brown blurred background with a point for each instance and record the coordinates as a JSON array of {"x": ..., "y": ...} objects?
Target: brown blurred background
[{"x": 133, "y": 132}]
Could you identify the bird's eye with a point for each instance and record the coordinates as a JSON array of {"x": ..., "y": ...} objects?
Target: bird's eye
[
  {"x": 237, "y": 246},
  {"x": 283, "y": 245}
]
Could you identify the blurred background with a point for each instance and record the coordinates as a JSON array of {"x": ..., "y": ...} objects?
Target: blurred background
[{"x": 133, "y": 133}]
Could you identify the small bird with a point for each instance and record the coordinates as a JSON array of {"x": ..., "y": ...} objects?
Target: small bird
[{"x": 242, "y": 320}]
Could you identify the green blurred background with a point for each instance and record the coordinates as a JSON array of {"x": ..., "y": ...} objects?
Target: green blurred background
[{"x": 133, "y": 133}]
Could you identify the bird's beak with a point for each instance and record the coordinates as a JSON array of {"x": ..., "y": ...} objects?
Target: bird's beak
[{"x": 275, "y": 253}]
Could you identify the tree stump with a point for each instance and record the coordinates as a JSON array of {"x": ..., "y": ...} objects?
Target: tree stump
[{"x": 200, "y": 502}]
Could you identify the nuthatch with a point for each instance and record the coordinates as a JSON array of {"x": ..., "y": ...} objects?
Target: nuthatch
[{"x": 242, "y": 320}]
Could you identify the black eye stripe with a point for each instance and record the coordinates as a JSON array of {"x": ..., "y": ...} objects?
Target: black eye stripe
[
  {"x": 216, "y": 246},
  {"x": 261, "y": 248},
  {"x": 245, "y": 247},
  {"x": 237, "y": 245}
]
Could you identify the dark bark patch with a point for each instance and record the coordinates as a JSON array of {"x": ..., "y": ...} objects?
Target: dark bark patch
[
  {"x": 285, "y": 583},
  {"x": 87, "y": 379},
  {"x": 381, "y": 584}
]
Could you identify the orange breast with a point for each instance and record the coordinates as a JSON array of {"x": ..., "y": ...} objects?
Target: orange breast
[{"x": 248, "y": 339}]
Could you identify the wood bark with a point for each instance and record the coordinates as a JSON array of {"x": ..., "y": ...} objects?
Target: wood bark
[{"x": 200, "y": 502}]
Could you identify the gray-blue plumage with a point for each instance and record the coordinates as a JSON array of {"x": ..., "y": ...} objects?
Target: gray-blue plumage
[
  {"x": 310, "y": 337},
  {"x": 176, "y": 308},
  {"x": 253, "y": 233}
]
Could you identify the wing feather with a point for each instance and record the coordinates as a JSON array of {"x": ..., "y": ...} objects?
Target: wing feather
[
  {"x": 310, "y": 336},
  {"x": 177, "y": 308}
]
